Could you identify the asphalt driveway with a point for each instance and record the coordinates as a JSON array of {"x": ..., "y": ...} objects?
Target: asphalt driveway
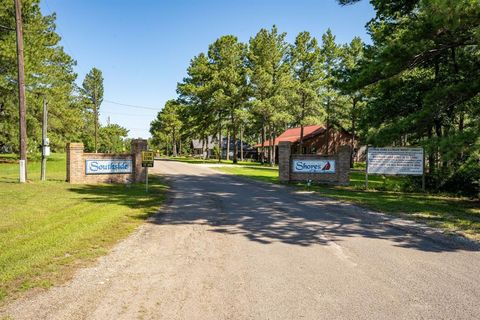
[{"x": 224, "y": 247}]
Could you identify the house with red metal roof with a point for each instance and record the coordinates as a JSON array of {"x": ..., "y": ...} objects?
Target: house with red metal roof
[{"x": 316, "y": 140}]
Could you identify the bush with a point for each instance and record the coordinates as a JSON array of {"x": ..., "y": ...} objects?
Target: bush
[{"x": 466, "y": 180}]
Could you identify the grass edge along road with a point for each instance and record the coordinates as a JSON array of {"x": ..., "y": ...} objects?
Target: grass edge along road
[
  {"x": 452, "y": 214},
  {"x": 49, "y": 229}
]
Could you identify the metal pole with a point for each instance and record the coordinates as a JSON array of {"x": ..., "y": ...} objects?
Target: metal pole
[
  {"x": 423, "y": 171},
  {"x": 146, "y": 179},
  {"x": 21, "y": 93},
  {"x": 44, "y": 140},
  {"x": 366, "y": 171}
]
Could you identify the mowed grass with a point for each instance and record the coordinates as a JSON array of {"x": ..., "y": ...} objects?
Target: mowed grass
[
  {"x": 48, "y": 229},
  {"x": 450, "y": 213}
]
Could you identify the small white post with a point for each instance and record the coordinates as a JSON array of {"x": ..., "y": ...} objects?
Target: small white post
[{"x": 22, "y": 171}]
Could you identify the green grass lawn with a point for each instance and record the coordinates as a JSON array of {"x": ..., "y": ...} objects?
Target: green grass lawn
[
  {"x": 47, "y": 229},
  {"x": 450, "y": 213}
]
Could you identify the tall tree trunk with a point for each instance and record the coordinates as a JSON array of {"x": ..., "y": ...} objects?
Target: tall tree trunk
[
  {"x": 274, "y": 149},
  {"x": 174, "y": 142},
  {"x": 180, "y": 146},
  {"x": 431, "y": 153},
  {"x": 235, "y": 145},
  {"x": 327, "y": 132},
  {"x": 228, "y": 145},
  {"x": 302, "y": 115},
  {"x": 437, "y": 119},
  {"x": 241, "y": 143},
  {"x": 262, "y": 153},
  {"x": 220, "y": 151},
  {"x": 270, "y": 146},
  {"x": 354, "y": 105},
  {"x": 300, "y": 145},
  {"x": 460, "y": 129},
  {"x": 438, "y": 132}
]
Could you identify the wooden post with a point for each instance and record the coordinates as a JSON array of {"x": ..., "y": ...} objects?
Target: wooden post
[
  {"x": 95, "y": 109},
  {"x": 423, "y": 172},
  {"x": 21, "y": 93}
]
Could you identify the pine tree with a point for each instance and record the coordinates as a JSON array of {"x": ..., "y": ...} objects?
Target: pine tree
[
  {"x": 421, "y": 75},
  {"x": 271, "y": 83},
  {"x": 229, "y": 81},
  {"x": 92, "y": 91},
  {"x": 49, "y": 75},
  {"x": 168, "y": 122},
  {"x": 305, "y": 59}
]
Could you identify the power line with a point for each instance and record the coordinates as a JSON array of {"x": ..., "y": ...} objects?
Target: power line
[
  {"x": 131, "y": 105},
  {"x": 112, "y": 113}
]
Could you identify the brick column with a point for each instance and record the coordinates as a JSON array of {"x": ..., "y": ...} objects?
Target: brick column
[
  {"x": 75, "y": 163},
  {"x": 137, "y": 146},
  {"x": 343, "y": 165},
  {"x": 284, "y": 151}
]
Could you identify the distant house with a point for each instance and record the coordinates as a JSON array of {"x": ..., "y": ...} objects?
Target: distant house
[
  {"x": 248, "y": 151},
  {"x": 315, "y": 140},
  {"x": 199, "y": 146}
]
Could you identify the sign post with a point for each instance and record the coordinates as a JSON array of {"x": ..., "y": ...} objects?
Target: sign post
[
  {"x": 147, "y": 162},
  {"x": 423, "y": 174},
  {"x": 366, "y": 172}
]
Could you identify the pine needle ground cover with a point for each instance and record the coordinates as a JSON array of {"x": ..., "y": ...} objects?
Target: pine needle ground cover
[
  {"x": 50, "y": 228},
  {"x": 452, "y": 214}
]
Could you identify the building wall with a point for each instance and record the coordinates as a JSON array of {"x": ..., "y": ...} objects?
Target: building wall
[
  {"x": 76, "y": 158},
  {"x": 318, "y": 143},
  {"x": 342, "y": 164}
]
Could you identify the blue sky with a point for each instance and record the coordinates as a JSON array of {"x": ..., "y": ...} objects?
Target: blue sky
[{"x": 144, "y": 47}]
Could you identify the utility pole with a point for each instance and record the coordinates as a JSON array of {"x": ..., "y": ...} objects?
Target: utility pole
[
  {"x": 21, "y": 93},
  {"x": 45, "y": 142},
  {"x": 95, "y": 114}
]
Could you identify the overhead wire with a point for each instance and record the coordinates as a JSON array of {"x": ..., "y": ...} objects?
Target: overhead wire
[{"x": 132, "y": 105}]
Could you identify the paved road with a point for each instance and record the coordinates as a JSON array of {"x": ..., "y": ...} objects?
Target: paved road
[{"x": 227, "y": 248}]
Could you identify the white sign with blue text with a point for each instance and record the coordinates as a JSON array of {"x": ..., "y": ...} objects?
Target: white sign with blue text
[
  {"x": 108, "y": 166},
  {"x": 314, "y": 166}
]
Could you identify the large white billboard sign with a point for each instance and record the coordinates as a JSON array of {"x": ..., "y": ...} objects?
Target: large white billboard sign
[{"x": 395, "y": 161}]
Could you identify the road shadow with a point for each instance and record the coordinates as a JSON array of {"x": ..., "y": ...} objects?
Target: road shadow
[
  {"x": 127, "y": 195},
  {"x": 267, "y": 213}
]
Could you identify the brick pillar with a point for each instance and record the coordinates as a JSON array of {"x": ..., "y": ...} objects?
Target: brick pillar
[
  {"x": 137, "y": 146},
  {"x": 284, "y": 151},
  {"x": 75, "y": 163},
  {"x": 343, "y": 165}
]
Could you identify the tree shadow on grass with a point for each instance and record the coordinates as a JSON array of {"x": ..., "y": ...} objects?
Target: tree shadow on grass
[
  {"x": 421, "y": 207},
  {"x": 267, "y": 213},
  {"x": 132, "y": 196}
]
